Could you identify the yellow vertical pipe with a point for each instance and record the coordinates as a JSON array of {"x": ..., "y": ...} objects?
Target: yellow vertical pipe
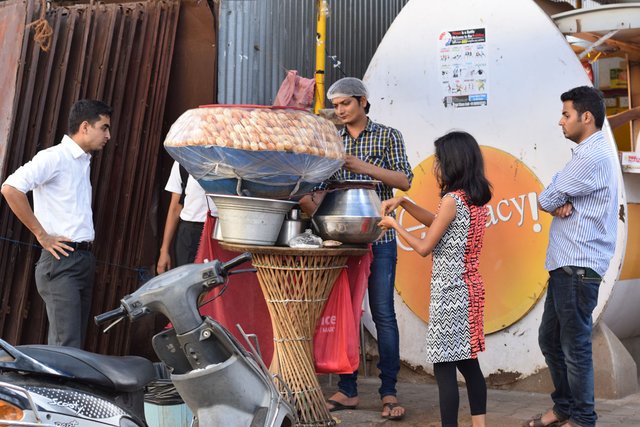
[{"x": 321, "y": 37}]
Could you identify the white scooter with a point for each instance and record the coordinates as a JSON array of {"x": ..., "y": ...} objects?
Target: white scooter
[{"x": 222, "y": 383}]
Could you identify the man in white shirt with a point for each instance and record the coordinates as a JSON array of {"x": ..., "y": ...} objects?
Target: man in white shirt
[
  {"x": 185, "y": 220},
  {"x": 62, "y": 219}
]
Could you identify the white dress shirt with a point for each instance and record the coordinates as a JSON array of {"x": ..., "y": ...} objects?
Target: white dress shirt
[
  {"x": 59, "y": 178},
  {"x": 195, "y": 201}
]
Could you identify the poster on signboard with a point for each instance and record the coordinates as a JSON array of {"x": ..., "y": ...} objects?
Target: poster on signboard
[{"x": 463, "y": 67}]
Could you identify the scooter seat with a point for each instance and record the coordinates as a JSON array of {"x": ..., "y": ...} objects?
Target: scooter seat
[{"x": 117, "y": 373}]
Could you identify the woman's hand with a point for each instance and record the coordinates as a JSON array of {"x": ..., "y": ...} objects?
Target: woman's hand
[
  {"x": 391, "y": 205},
  {"x": 387, "y": 222}
]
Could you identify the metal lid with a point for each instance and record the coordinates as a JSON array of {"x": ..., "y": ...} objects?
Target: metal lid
[{"x": 353, "y": 183}]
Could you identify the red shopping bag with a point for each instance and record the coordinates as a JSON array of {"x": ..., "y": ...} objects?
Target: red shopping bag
[{"x": 335, "y": 343}]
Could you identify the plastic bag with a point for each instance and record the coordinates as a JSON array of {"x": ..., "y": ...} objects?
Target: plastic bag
[
  {"x": 295, "y": 91},
  {"x": 272, "y": 152},
  {"x": 305, "y": 240},
  {"x": 335, "y": 343}
]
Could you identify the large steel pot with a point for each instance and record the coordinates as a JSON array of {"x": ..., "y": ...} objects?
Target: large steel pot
[
  {"x": 250, "y": 220},
  {"x": 350, "y": 213}
]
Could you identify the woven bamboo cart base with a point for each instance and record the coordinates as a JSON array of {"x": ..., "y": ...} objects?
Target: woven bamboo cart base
[{"x": 296, "y": 284}]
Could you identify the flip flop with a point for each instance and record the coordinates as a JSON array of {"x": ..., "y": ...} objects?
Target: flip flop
[
  {"x": 337, "y": 406},
  {"x": 537, "y": 421},
  {"x": 391, "y": 406}
]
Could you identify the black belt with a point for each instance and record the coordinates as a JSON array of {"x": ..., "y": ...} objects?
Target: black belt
[
  {"x": 192, "y": 223},
  {"x": 80, "y": 246},
  {"x": 580, "y": 271}
]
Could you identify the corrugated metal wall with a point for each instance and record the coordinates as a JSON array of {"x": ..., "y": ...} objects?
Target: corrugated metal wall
[
  {"x": 12, "y": 17},
  {"x": 260, "y": 40},
  {"x": 121, "y": 54}
]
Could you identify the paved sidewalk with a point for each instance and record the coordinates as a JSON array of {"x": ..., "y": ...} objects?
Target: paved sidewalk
[{"x": 504, "y": 408}]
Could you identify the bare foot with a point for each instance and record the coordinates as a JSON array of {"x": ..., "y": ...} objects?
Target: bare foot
[
  {"x": 340, "y": 401},
  {"x": 391, "y": 409}
]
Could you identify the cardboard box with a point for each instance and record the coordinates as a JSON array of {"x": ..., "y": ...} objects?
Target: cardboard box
[
  {"x": 630, "y": 161},
  {"x": 618, "y": 78}
]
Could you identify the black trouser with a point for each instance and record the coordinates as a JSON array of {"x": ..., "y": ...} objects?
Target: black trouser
[
  {"x": 66, "y": 286},
  {"x": 445, "y": 373},
  {"x": 187, "y": 242}
]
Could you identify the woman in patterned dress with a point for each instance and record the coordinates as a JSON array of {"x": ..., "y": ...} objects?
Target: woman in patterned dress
[{"x": 455, "y": 331}]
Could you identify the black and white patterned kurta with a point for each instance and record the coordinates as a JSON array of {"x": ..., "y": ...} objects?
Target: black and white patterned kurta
[{"x": 456, "y": 310}]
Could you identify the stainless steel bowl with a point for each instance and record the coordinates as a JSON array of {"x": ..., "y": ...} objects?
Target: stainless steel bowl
[
  {"x": 350, "y": 215},
  {"x": 348, "y": 229},
  {"x": 250, "y": 220}
]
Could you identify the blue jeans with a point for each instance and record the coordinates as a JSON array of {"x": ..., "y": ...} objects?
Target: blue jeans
[
  {"x": 381, "y": 287},
  {"x": 565, "y": 341}
]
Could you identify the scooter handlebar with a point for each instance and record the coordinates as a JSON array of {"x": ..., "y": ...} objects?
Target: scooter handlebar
[
  {"x": 240, "y": 259},
  {"x": 139, "y": 304},
  {"x": 114, "y": 314}
]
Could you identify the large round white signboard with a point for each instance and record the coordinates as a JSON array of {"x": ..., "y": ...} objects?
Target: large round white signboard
[{"x": 495, "y": 69}]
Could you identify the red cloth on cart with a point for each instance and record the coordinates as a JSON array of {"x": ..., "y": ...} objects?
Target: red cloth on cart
[
  {"x": 358, "y": 269},
  {"x": 242, "y": 302}
]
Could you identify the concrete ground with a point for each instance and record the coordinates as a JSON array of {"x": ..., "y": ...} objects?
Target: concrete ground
[{"x": 419, "y": 396}]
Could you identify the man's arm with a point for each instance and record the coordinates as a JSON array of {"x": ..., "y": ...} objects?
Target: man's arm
[
  {"x": 170, "y": 228},
  {"x": 19, "y": 204},
  {"x": 392, "y": 178},
  {"x": 551, "y": 199},
  {"x": 561, "y": 212},
  {"x": 310, "y": 202}
]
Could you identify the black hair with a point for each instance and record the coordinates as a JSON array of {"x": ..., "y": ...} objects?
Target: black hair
[
  {"x": 366, "y": 107},
  {"x": 459, "y": 166},
  {"x": 88, "y": 110},
  {"x": 587, "y": 98}
]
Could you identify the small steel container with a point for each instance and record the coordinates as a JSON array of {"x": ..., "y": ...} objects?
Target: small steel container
[{"x": 291, "y": 227}]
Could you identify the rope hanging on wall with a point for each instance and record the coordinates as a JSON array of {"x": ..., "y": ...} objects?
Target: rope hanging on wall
[{"x": 43, "y": 31}]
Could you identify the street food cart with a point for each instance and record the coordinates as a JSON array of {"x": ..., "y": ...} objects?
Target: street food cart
[{"x": 255, "y": 163}]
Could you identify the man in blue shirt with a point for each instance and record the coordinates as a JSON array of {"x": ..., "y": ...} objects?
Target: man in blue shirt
[{"x": 583, "y": 199}]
